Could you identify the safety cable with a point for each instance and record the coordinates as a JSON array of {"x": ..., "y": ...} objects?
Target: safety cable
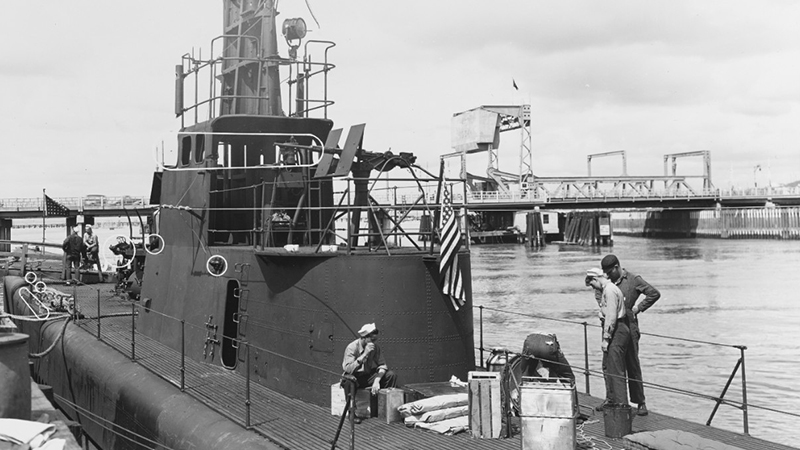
[
  {"x": 489, "y": 308},
  {"x": 101, "y": 421},
  {"x": 661, "y": 387}
]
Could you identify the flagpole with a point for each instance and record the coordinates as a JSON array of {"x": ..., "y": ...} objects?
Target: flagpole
[
  {"x": 44, "y": 215},
  {"x": 437, "y": 211}
]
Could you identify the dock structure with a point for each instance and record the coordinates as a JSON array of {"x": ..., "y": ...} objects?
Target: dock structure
[{"x": 288, "y": 423}]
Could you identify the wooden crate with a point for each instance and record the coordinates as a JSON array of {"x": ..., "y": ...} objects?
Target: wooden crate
[
  {"x": 338, "y": 400},
  {"x": 388, "y": 401},
  {"x": 485, "y": 406}
]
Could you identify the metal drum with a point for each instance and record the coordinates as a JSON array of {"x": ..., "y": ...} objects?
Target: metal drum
[
  {"x": 548, "y": 413},
  {"x": 497, "y": 360},
  {"x": 15, "y": 379}
]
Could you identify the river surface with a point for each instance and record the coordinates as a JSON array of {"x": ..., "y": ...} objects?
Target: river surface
[{"x": 731, "y": 292}]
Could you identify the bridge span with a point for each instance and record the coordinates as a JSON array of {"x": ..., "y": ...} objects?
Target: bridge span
[
  {"x": 574, "y": 193},
  {"x": 546, "y": 193},
  {"x": 93, "y": 205}
]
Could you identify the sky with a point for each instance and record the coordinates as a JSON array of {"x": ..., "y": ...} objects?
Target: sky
[{"x": 87, "y": 87}]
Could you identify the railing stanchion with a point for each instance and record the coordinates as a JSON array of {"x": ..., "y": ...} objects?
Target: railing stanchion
[
  {"x": 98, "y": 316},
  {"x": 183, "y": 355},
  {"x": 742, "y": 348},
  {"x": 133, "y": 331},
  {"x": 247, "y": 387},
  {"x": 586, "y": 356},
  {"x": 481, "y": 325}
]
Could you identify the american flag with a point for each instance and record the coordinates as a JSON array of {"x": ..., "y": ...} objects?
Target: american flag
[
  {"x": 53, "y": 208},
  {"x": 450, "y": 243}
]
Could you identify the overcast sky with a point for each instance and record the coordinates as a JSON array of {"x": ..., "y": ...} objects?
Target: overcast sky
[{"x": 87, "y": 87}]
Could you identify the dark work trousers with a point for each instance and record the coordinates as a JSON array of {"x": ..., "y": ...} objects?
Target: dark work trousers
[
  {"x": 632, "y": 365},
  {"x": 614, "y": 363},
  {"x": 365, "y": 380},
  {"x": 606, "y": 379}
]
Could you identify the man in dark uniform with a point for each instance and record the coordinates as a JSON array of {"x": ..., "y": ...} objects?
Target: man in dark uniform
[
  {"x": 632, "y": 287},
  {"x": 73, "y": 248}
]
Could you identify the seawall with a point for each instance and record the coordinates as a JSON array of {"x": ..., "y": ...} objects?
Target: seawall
[{"x": 725, "y": 223}]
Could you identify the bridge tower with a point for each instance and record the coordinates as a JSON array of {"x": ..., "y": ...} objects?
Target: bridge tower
[
  {"x": 705, "y": 154},
  {"x": 618, "y": 152},
  {"x": 478, "y": 130}
]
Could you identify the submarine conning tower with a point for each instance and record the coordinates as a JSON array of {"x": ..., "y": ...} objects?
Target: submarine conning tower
[{"x": 278, "y": 243}]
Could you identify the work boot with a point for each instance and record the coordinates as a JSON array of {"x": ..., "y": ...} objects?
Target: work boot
[
  {"x": 601, "y": 406},
  {"x": 641, "y": 410}
]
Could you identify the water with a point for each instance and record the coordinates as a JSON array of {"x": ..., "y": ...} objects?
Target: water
[{"x": 733, "y": 292}]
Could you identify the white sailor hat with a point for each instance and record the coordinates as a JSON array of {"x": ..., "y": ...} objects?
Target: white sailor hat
[
  {"x": 594, "y": 272},
  {"x": 367, "y": 329}
]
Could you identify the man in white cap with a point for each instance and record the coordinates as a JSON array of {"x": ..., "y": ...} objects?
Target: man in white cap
[
  {"x": 92, "y": 249},
  {"x": 616, "y": 335},
  {"x": 632, "y": 286},
  {"x": 363, "y": 360}
]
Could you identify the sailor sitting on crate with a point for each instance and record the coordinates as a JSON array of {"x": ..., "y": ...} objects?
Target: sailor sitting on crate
[
  {"x": 364, "y": 365},
  {"x": 542, "y": 357},
  {"x": 363, "y": 360}
]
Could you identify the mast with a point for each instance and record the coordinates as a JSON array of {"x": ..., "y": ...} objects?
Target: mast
[{"x": 250, "y": 70}]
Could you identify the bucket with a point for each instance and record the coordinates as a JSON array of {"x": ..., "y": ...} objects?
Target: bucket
[{"x": 617, "y": 420}]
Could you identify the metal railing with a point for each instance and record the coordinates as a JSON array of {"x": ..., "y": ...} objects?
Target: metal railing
[
  {"x": 743, "y": 405},
  {"x": 241, "y": 371},
  {"x": 243, "y": 368}
]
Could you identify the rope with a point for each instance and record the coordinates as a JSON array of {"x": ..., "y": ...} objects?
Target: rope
[
  {"x": 584, "y": 441},
  {"x": 29, "y": 319},
  {"x": 178, "y": 207},
  {"x": 55, "y": 341}
]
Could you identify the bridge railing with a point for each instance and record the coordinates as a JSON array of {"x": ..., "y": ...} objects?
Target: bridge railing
[
  {"x": 761, "y": 192},
  {"x": 75, "y": 203},
  {"x": 543, "y": 195}
]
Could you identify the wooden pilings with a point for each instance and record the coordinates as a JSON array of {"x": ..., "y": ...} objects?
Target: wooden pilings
[
  {"x": 762, "y": 223},
  {"x": 725, "y": 223},
  {"x": 534, "y": 229},
  {"x": 588, "y": 228},
  {"x": 5, "y": 234}
]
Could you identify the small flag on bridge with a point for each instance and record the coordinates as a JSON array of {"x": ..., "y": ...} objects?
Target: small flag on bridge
[
  {"x": 53, "y": 208},
  {"x": 450, "y": 243}
]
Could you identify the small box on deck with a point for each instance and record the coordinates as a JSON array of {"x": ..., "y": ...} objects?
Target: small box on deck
[
  {"x": 363, "y": 399},
  {"x": 389, "y": 399},
  {"x": 485, "y": 408}
]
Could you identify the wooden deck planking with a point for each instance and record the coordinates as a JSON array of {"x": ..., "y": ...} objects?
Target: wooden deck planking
[{"x": 295, "y": 424}]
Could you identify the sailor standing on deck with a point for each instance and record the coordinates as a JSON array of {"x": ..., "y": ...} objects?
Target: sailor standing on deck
[
  {"x": 363, "y": 360},
  {"x": 73, "y": 247},
  {"x": 598, "y": 296},
  {"x": 632, "y": 287},
  {"x": 616, "y": 336},
  {"x": 92, "y": 247}
]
